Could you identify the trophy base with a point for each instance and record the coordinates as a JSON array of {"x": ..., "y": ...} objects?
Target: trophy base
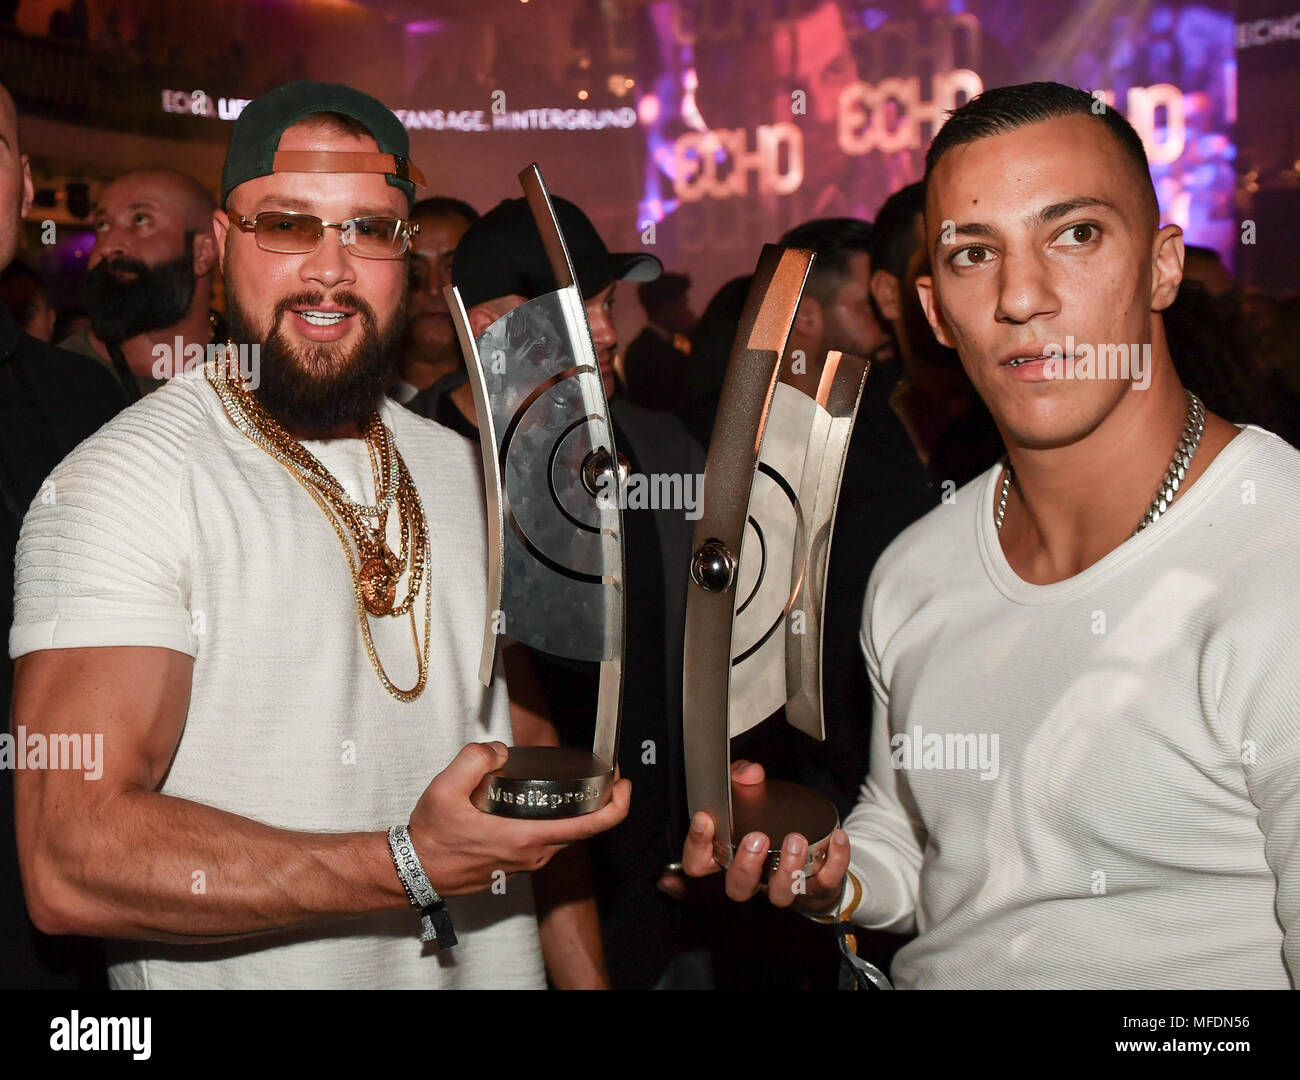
[
  {"x": 777, "y": 808},
  {"x": 546, "y": 782}
]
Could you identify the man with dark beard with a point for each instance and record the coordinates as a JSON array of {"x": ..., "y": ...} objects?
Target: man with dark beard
[
  {"x": 302, "y": 385},
  {"x": 149, "y": 285},
  {"x": 185, "y": 601}
]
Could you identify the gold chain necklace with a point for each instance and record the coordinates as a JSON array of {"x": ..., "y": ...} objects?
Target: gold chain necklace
[{"x": 375, "y": 569}]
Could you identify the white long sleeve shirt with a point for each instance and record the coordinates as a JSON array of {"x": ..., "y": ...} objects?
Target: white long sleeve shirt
[{"x": 1094, "y": 783}]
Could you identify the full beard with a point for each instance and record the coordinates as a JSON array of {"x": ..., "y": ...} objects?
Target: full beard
[
  {"x": 156, "y": 298},
  {"x": 317, "y": 387}
]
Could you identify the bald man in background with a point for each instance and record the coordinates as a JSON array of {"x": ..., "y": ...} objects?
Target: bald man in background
[
  {"x": 150, "y": 278},
  {"x": 49, "y": 401}
]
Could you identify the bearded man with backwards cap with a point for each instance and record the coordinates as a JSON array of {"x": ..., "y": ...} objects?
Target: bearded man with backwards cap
[{"x": 265, "y": 595}]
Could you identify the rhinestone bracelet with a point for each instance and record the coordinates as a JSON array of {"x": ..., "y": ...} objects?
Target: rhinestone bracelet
[{"x": 435, "y": 920}]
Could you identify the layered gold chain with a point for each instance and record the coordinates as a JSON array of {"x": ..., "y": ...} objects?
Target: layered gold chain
[{"x": 362, "y": 529}]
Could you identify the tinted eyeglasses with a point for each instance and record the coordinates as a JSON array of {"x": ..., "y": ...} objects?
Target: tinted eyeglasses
[{"x": 287, "y": 233}]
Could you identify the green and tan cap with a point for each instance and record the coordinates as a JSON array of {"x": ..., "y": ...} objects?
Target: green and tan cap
[{"x": 253, "y": 142}]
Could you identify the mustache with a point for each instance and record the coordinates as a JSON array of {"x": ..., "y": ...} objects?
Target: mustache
[
  {"x": 345, "y": 299},
  {"x": 119, "y": 265},
  {"x": 318, "y": 386},
  {"x": 150, "y": 298}
]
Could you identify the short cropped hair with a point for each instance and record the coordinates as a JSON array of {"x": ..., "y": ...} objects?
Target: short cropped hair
[
  {"x": 445, "y": 206},
  {"x": 832, "y": 240},
  {"x": 22, "y": 291},
  {"x": 665, "y": 290},
  {"x": 893, "y": 238},
  {"x": 338, "y": 123},
  {"x": 1003, "y": 109}
]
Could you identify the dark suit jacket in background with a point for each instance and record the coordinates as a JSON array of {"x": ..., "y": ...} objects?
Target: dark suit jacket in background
[
  {"x": 642, "y": 928},
  {"x": 50, "y": 400},
  {"x": 656, "y": 372}
]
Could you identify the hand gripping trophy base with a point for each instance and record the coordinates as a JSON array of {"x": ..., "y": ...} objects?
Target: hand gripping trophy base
[
  {"x": 777, "y": 808},
  {"x": 546, "y": 782}
]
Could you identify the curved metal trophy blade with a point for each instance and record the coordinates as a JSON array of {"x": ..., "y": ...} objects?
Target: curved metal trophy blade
[
  {"x": 792, "y": 448},
  {"x": 555, "y": 530},
  {"x": 560, "y": 586},
  {"x": 728, "y": 477},
  {"x": 834, "y": 413},
  {"x": 776, "y": 648},
  {"x": 768, "y": 581}
]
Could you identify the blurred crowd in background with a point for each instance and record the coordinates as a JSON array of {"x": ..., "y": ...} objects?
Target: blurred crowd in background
[
  {"x": 1236, "y": 349},
  {"x": 152, "y": 279}
]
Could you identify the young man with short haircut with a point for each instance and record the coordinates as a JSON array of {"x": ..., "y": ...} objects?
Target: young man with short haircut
[{"x": 1089, "y": 773}]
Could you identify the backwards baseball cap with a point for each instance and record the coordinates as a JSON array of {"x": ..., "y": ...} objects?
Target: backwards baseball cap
[
  {"x": 253, "y": 142},
  {"x": 501, "y": 254}
]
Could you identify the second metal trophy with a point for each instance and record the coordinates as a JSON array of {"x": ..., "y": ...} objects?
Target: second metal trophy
[
  {"x": 754, "y": 610},
  {"x": 555, "y": 527}
]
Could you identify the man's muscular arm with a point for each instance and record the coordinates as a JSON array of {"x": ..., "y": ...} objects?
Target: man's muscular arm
[{"x": 112, "y": 857}]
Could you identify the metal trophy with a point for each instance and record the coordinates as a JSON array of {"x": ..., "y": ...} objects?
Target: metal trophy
[
  {"x": 758, "y": 575},
  {"x": 555, "y": 528}
]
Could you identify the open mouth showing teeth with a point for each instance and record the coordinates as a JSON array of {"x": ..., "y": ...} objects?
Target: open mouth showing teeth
[
  {"x": 322, "y": 318},
  {"x": 1024, "y": 360}
]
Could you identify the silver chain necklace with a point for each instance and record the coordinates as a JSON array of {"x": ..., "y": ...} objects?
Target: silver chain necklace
[{"x": 1174, "y": 476}]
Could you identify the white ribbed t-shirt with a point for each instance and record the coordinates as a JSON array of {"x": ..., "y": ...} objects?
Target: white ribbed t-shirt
[
  {"x": 169, "y": 528},
  {"x": 1094, "y": 783}
]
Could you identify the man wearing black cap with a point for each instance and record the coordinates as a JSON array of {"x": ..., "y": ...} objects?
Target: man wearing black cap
[
  {"x": 185, "y": 600},
  {"x": 500, "y": 264}
]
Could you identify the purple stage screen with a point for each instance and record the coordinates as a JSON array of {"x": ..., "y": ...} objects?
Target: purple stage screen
[{"x": 752, "y": 123}]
